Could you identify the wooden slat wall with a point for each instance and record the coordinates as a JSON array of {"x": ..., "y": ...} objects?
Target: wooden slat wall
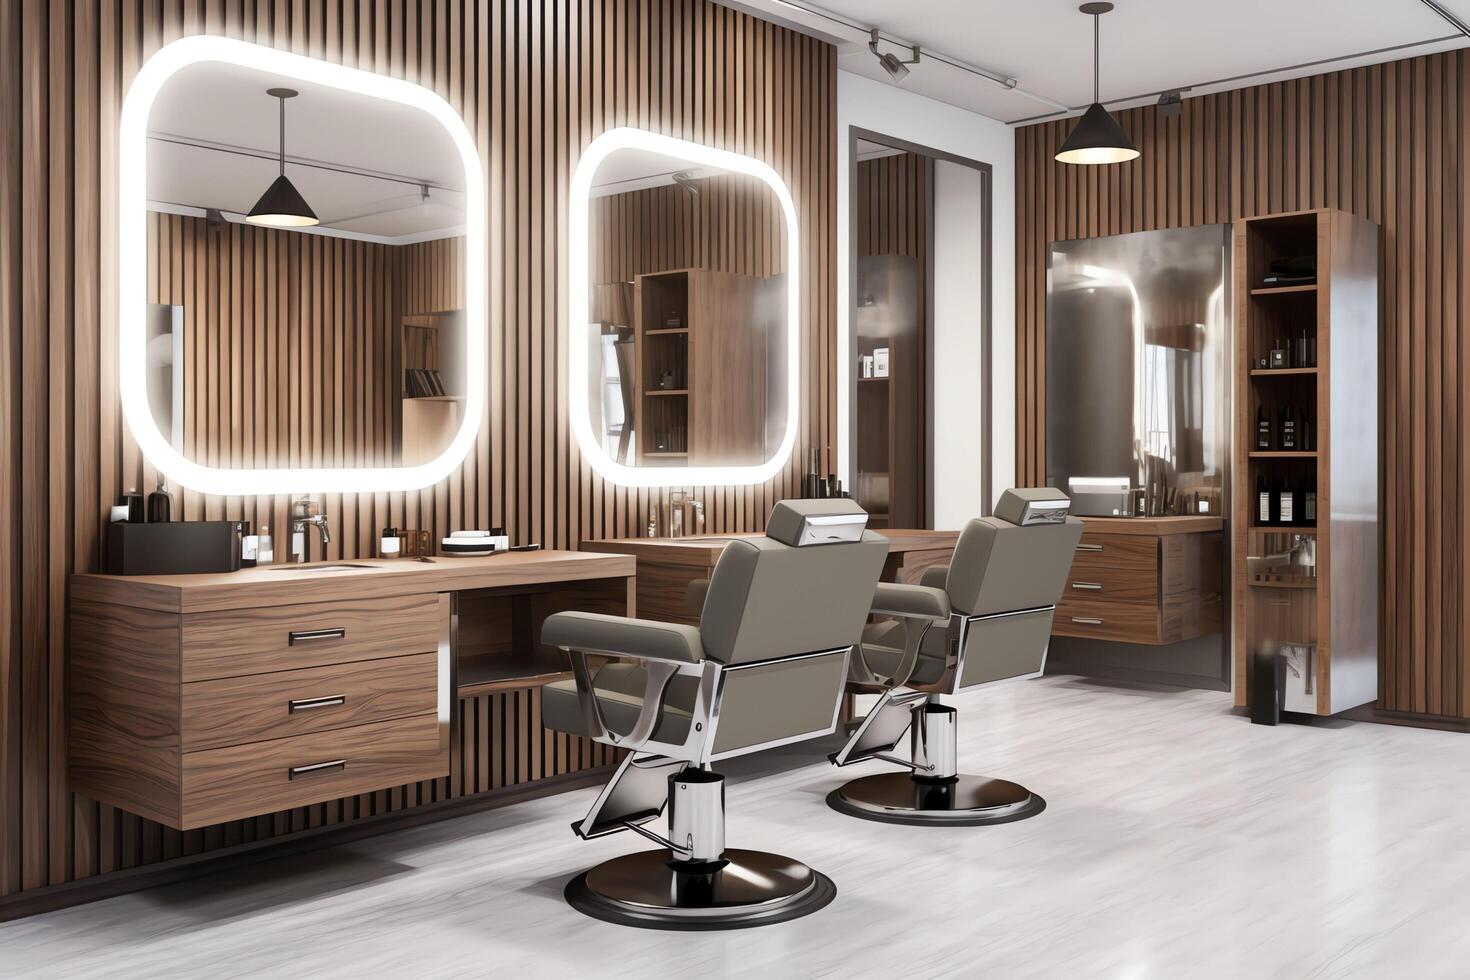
[
  {"x": 734, "y": 225},
  {"x": 1387, "y": 142},
  {"x": 535, "y": 81}
]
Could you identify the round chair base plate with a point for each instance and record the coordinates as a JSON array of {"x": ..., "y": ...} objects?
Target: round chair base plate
[
  {"x": 965, "y": 801},
  {"x": 754, "y": 888}
]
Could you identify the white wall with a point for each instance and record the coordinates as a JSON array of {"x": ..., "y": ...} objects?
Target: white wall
[
  {"x": 891, "y": 111},
  {"x": 959, "y": 249}
]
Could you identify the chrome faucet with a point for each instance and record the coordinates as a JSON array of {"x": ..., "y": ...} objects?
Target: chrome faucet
[{"x": 306, "y": 511}]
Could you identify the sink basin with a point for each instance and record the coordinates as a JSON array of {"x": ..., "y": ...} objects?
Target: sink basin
[{"x": 333, "y": 567}]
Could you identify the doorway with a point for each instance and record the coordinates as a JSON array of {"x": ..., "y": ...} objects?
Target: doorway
[{"x": 919, "y": 337}]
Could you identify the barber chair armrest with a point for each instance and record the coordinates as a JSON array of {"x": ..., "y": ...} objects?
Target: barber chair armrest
[
  {"x": 911, "y": 602},
  {"x": 620, "y": 636},
  {"x": 665, "y": 648},
  {"x": 934, "y": 576},
  {"x": 698, "y": 589}
]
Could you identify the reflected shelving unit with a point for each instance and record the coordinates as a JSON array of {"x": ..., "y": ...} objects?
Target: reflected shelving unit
[{"x": 1306, "y": 506}]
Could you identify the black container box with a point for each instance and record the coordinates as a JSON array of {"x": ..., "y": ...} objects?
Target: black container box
[{"x": 173, "y": 548}]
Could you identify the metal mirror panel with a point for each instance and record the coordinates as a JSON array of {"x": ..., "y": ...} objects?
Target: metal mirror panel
[{"x": 1137, "y": 350}]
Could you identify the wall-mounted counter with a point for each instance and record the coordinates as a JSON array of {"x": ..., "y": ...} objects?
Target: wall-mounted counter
[
  {"x": 197, "y": 699},
  {"x": 666, "y": 566}
]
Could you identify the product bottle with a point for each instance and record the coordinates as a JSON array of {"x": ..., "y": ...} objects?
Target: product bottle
[
  {"x": 160, "y": 504},
  {"x": 1285, "y": 504},
  {"x": 249, "y": 544},
  {"x": 1263, "y": 502},
  {"x": 133, "y": 501},
  {"x": 264, "y": 551},
  {"x": 388, "y": 544},
  {"x": 1309, "y": 502},
  {"x": 1288, "y": 428},
  {"x": 1263, "y": 428}
]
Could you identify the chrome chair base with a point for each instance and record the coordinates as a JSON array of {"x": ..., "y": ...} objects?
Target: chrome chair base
[
  {"x": 652, "y": 890},
  {"x": 960, "y": 801}
]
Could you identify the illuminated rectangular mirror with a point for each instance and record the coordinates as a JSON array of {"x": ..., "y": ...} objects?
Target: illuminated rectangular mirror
[
  {"x": 301, "y": 274},
  {"x": 684, "y": 313}
]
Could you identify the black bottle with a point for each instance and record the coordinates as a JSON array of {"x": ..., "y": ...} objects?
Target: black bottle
[
  {"x": 160, "y": 504},
  {"x": 1263, "y": 428},
  {"x": 1309, "y": 502},
  {"x": 1281, "y": 504},
  {"x": 1288, "y": 428},
  {"x": 1263, "y": 502},
  {"x": 1309, "y": 434}
]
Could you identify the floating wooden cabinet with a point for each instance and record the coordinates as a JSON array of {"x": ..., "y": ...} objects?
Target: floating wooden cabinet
[
  {"x": 1306, "y": 469},
  {"x": 192, "y": 718},
  {"x": 1144, "y": 580}
]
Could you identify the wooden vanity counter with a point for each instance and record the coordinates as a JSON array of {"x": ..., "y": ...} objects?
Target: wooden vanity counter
[
  {"x": 666, "y": 566},
  {"x": 197, "y": 699}
]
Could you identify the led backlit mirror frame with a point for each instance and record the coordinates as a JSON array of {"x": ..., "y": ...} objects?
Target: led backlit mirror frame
[
  {"x": 132, "y": 248},
  {"x": 578, "y": 322}
]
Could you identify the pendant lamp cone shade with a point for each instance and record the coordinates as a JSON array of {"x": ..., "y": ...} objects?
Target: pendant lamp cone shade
[
  {"x": 282, "y": 206},
  {"x": 1097, "y": 138}
]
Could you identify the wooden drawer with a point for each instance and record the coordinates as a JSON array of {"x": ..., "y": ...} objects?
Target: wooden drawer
[
  {"x": 1122, "y": 583},
  {"x": 1107, "y": 619},
  {"x": 272, "y": 638},
  {"x": 1098, "y": 554},
  {"x": 262, "y": 777},
  {"x": 255, "y": 707}
]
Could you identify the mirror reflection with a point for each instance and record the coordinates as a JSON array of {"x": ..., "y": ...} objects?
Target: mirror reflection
[
  {"x": 688, "y": 302},
  {"x": 305, "y": 274}
]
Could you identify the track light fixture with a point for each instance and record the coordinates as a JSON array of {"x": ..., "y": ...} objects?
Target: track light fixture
[
  {"x": 898, "y": 69},
  {"x": 1171, "y": 104},
  {"x": 685, "y": 179},
  {"x": 1097, "y": 138}
]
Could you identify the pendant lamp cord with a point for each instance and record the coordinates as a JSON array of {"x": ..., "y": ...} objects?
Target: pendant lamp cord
[
  {"x": 1094, "y": 63},
  {"x": 282, "y": 132}
]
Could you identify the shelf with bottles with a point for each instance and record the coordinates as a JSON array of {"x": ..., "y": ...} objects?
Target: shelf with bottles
[
  {"x": 1285, "y": 421},
  {"x": 1284, "y": 502}
]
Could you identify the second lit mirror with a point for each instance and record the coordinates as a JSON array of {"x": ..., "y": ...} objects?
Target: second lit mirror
[{"x": 687, "y": 342}]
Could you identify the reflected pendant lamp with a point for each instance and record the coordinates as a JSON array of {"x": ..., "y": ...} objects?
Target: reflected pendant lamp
[
  {"x": 282, "y": 206},
  {"x": 1097, "y": 138}
]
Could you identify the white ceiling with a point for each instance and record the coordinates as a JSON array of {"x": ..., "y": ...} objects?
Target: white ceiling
[
  {"x": 325, "y": 128},
  {"x": 1147, "y": 45}
]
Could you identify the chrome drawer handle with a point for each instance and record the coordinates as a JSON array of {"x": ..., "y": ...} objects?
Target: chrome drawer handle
[
  {"x": 1089, "y": 547},
  {"x": 301, "y": 636},
  {"x": 1088, "y": 586},
  {"x": 332, "y": 766},
  {"x": 1087, "y": 620},
  {"x": 305, "y": 704}
]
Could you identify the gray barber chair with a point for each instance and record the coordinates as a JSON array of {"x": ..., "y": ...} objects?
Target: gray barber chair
[
  {"x": 985, "y": 617},
  {"x": 766, "y": 666}
]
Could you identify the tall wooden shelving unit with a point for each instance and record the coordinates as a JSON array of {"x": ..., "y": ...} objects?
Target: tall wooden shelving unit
[
  {"x": 714, "y": 334},
  {"x": 1339, "y": 388}
]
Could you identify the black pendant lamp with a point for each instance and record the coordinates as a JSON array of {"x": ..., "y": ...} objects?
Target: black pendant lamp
[
  {"x": 1097, "y": 138},
  {"x": 282, "y": 206}
]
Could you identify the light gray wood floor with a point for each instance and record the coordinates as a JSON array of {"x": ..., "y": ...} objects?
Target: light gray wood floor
[{"x": 1179, "y": 841}]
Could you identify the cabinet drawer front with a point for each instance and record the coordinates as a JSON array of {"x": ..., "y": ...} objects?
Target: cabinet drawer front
[
  {"x": 262, "y": 640},
  {"x": 1103, "y": 619},
  {"x": 256, "y": 707},
  {"x": 1100, "y": 553},
  {"x": 1122, "y": 582},
  {"x": 248, "y": 780}
]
